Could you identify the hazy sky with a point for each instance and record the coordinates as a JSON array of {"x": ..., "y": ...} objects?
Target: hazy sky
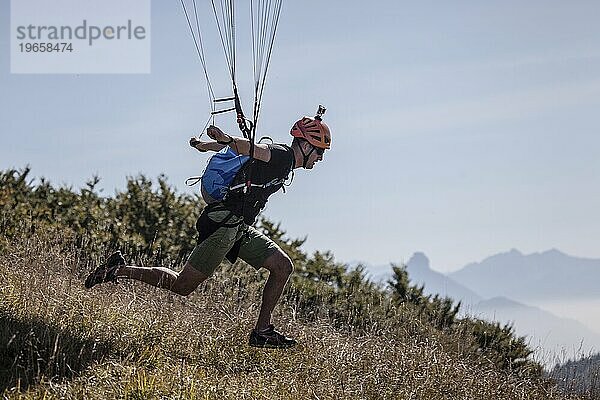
[{"x": 460, "y": 129}]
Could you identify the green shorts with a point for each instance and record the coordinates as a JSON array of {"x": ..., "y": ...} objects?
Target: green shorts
[{"x": 255, "y": 247}]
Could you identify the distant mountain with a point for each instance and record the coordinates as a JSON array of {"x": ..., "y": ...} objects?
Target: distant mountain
[
  {"x": 538, "y": 276},
  {"x": 420, "y": 273},
  {"x": 555, "y": 339}
]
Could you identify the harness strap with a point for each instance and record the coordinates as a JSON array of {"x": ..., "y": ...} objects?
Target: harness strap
[
  {"x": 206, "y": 227},
  {"x": 193, "y": 179},
  {"x": 274, "y": 182}
]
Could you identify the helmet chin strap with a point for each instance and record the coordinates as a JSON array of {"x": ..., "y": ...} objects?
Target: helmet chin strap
[{"x": 306, "y": 156}]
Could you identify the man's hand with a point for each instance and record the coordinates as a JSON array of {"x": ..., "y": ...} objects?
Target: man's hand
[
  {"x": 198, "y": 144},
  {"x": 218, "y": 135}
]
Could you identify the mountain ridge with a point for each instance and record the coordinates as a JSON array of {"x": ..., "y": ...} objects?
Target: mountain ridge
[
  {"x": 515, "y": 281},
  {"x": 550, "y": 274}
]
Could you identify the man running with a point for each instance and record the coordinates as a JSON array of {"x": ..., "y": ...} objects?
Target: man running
[{"x": 225, "y": 227}]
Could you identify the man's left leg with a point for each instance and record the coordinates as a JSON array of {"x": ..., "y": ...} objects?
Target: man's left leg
[
  {"x": 260, "y": 251},
  {"x": 280, "y": 268}
]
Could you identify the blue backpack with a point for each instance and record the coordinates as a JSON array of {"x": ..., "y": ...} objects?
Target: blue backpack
[
  {"x": 222, "y": 168},
  {"x": 219, "y": 173}
]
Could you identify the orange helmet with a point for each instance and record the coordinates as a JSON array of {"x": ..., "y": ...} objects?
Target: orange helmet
[{"x": 315, "y": 131}]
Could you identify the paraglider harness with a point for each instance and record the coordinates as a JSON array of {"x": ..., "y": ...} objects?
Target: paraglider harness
[
  {"x": 217, "y": 181},
  {"x": 220, "y": 171}
]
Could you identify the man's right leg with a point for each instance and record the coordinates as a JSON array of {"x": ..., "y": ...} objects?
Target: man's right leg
[
  {"x": 203, "y": 261},
  {"x": 205, "y": 258},
  {"x": 182, "y": 283}
]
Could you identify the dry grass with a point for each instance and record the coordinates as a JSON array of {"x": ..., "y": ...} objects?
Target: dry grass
[{"x": 130, "y": 341}]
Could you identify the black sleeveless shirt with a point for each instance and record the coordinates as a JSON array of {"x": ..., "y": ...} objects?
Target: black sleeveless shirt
[{"x": 265, "y": 178}]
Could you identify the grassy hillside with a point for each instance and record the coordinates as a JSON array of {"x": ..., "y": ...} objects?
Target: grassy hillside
[
  {"x": 357, "y": 340},
  {"x": 579, "y": 376}
]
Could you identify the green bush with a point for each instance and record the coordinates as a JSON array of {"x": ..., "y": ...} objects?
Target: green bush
[{"x": 154, "y": 224}]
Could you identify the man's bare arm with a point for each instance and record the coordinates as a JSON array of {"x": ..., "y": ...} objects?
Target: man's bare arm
[
  {"x": 205, "y": 146},
  {"x": 238, "y": 144}
]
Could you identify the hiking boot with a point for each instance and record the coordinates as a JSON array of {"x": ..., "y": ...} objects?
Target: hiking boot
[
  {"x": 270, "y": 338},
  {"x": 106, "y": 272}
]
